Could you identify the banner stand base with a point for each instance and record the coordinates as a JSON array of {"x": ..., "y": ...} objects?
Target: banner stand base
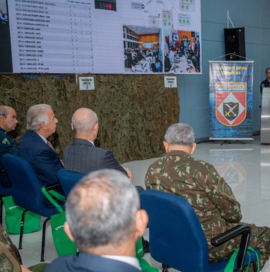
[{"x": 231, "y": 140}]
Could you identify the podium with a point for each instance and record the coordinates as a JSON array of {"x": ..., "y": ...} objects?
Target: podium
[{"x": 265, "y": 116}]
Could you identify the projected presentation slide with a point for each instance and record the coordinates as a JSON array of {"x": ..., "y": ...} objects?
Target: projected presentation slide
[{"x": 101, "y": 36}]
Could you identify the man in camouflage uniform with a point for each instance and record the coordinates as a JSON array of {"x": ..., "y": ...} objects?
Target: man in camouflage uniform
[
  {"x": 8, "y": 122},
  {"x": 208, "y": 193},
  {"x": 10, "y": 259}
]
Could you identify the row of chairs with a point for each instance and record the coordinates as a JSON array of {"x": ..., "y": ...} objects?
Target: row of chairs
[
  {"x": 178, "y": 241},
  {"x": 176, "y": 237},
  {"x": 26, "y": 191}
]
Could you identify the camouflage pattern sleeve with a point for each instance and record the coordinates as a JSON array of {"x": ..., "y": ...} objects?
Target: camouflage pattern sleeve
[
  {"x": 148, "y": 185},
  {"x": 10, "y": 259},
  {"x": 222, "y": 197}
]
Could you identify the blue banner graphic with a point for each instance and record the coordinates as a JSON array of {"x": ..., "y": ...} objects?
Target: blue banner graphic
[{"x": 231, "y": 96}]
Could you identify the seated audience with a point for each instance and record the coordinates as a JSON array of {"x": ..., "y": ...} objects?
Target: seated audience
[
  {"x": 3, "y": 16},
  {"x": 198, "y": 53},
  {"x": 154, "y": 68},
  {"x": 209, "y": 194},
  {"x": 190, "y": 53},
  {"x": 171, "y": 55},
  {"x": 142, "y": 59},
  {"x": 158, "y": 66},
  {"x": 167, "y": 64},
  {"x": 35, "y": 147},
  {"x": 187, "y": 43},
  {"x": 10, "y": 258},
  {"x": 105, "y": 221},
  {"x": 194, "y": 45},
  {"x": 82, "y": 156},
  {"x": 182, "y": 45},
  {"x": 8, "y": 122}
]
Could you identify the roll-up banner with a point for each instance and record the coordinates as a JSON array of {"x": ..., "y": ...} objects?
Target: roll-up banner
[{"x": 231, "y": 96}]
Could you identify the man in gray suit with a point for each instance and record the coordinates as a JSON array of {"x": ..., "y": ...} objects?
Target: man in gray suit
[{"x": 82, "y": 156}]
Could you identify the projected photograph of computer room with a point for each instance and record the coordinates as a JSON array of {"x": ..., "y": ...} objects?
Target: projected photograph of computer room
[
  {"x": 141, "y": 49},
  {"x": 181, "y": 51}
]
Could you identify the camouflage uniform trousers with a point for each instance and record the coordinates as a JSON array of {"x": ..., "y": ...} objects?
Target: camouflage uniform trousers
[{"x": 259, "y": 239}]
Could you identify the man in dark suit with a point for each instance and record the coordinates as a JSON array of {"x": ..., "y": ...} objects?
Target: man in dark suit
[
  {"x": 82, "y": 156},
  {"x": 35, "y": 147},
  {"x": 8, "y": 122},
  {"x": 104, "y": 220}
]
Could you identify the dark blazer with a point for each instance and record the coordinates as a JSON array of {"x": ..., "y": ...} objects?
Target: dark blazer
[
  {"x": 7, "y": 146},
  {"x": 43, "y": 159},
  {"x": 86, "y": 262},
  {"x": 83, "y": 157}
]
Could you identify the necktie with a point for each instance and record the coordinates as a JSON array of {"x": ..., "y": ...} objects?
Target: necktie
[{"x": 51, "y": 146}]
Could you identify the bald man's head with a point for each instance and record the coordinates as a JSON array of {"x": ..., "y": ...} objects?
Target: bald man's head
[{"x": 84, "y": 122}]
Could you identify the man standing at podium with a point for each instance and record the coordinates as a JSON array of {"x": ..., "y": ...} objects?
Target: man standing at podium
[{"x": 266, "y": 82}]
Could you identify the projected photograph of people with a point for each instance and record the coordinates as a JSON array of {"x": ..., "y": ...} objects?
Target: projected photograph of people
[
  {"x": 142, "y": 52},
  {"x": 181, "y": 51},
  {"x": 5, "y": 46},
  {"x": 3, "y": 12}
]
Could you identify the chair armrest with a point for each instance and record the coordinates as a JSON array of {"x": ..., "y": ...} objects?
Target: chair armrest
[
  {"x": 229, "y": 234},
  {"x": 53, "y": 186},
  {"x": 245, "y": 231}
]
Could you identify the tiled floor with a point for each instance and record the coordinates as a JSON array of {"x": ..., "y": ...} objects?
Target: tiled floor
[{"x": 246, "y": 167}]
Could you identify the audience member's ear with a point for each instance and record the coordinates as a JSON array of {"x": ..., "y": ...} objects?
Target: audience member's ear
[
  {"x": 141, "y": 223},
  {"x": 42, "y": 126},
  {"x": 96, "y": 127},
  {"x": 193, "y": 148},
  {"x": 95, "y": 130},
  {"x": 72, "y": 126},
  {"x": 166, "y": 146},
  {"x": 68, "y": 232}
]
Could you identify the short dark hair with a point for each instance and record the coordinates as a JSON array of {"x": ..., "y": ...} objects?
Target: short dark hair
[{"x": 267, "y": 69}]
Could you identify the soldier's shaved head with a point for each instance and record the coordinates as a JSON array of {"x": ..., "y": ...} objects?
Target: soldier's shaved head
[{"x": 180, "y": 134}]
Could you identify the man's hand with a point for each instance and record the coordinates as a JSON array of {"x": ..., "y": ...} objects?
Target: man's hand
[
  {"x": 25, "y": 269},
  {"x": 129, "y": 173}
]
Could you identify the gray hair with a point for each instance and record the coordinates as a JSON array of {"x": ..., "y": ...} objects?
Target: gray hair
[
  {"x": 3, "y": 110},
  {"x": 37, "y": 115},
  {"x": 180, "y": 134},
  {"x": 85, "y": 123},
  {"x": 101, "y": 209}
]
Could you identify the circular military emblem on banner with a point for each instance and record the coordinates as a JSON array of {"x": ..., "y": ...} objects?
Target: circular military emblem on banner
[{"x": 231, "y": 103}]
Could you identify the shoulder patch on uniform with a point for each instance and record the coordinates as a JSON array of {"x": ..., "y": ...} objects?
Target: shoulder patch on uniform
[
  {"x": 227, "y": 189},
  {"x": 5, "y": 141},
  {"x": 5, "y": 264},
  {"x": 220, "y": 185}
]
